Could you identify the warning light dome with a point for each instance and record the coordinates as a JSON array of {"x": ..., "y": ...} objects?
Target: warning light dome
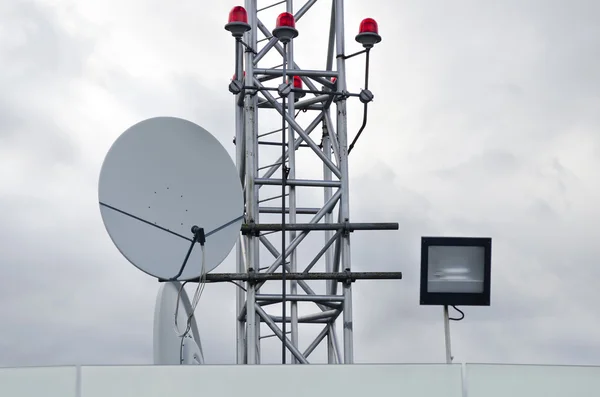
[
  {"x": 238, "y": 22},
  {"x": 285, "y": 27},
  {"x": 368, "y": 33},
  {"x": 285, "y": 19},
  {"x": 297, "y": 82},
  {"x": 368, "y": 25},
  {"x": 238, "y": 14}
]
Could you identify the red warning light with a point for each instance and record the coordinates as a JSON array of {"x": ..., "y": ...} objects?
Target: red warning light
[
  {"x": 285, "y": 27},
  {"x": 238, "y": 22},
  {"x": 297, "y": 82},
  {"x": 368, "y": 25},
  {"x": 238, "y": 14},
  {"x": 368, "y": 33},
  {"x": 285, "y": 19}
]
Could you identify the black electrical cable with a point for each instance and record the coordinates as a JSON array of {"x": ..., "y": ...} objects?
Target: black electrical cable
[
  {"x": 365, "y": 108},
  {"x": 283, "y": 183},
  {"x": 458, "y": 310},
  {"x": 199, "y": 237}
]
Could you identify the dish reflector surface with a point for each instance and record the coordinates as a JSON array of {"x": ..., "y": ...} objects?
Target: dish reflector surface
[{"x": 161, "y": 177}]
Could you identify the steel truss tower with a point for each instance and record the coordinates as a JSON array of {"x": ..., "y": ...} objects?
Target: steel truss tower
[{"x": 277, "y": 217}]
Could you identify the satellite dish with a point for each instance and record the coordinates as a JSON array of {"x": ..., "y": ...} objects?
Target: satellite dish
[
  {"x": 169, "y": 348},
  {"x": 165, "y": 184}
]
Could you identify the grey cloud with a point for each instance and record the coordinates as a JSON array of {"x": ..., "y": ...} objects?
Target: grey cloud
[
  {"x": 44, "y": 59},
  {"x": 484, "y": 93}
]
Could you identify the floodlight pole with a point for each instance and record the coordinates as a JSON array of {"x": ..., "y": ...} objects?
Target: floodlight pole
[
  {"x": 261, "y": 171},
  {"x": 447, "y": 335}
]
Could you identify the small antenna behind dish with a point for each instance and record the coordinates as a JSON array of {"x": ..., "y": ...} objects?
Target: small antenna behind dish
[{"x": 176, "y": 336}]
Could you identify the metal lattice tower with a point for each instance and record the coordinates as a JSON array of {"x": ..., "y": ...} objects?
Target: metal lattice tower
[{"x": 311, "y": 120}]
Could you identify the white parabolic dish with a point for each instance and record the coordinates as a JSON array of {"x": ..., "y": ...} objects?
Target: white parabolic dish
[{"x": 161, "y": 177}]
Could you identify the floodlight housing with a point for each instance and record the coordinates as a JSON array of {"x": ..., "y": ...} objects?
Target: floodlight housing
[{"x": 456, "y": 271}]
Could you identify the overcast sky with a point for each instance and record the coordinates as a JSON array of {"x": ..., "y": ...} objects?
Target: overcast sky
[{"x": 486, "y": 121}]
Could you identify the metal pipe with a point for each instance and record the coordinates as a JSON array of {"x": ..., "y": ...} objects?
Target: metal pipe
[
  {"x": 299, "y": 72},
  {"x": 318, "y": 106},
  {"x": 254, "y": 277},
  {"x": 447, "y": 335},
  {"x": 325, "y": 316},
  {"x": 329, "y": 240},
  {"x": 302, "y": 283},
  {"x": 349, "y": 227},
  {"x": 240, "y": 149},
  {"x": 342, "y": 134},
  {"x": 337, "y": 256},
  {"x": 313, "y": 345},
  {"x": 284, "y": 171},
  {"x": 337, "y": 357},
  {"x": 291, "y": 152},
  {"x": 304, "y": 9},
  {"x": 296, "y": 182},
  {"x": 306, "y": 103},
  {"x": 294, "y": 243},
  {"x": 300, "y": 298},
  {"x": 328, "y": 233},
  {"x": 297, "y": 143},
  {"x": 300, "y": 131},
  {"x": 331, "y": 41},
  {"x": 272, "y": 42},
  {"x": 271, "y": 324},
  {"x": 335, "y": 146},
  {"x": 279, "y": 49},
  {"x": 299, "y": 210},
  {"x": 251, "y": 191}
]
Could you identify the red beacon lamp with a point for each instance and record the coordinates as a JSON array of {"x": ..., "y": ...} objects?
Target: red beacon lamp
[
  {"x": 238, "y": 24},
  {"x": 368, "y": 33},
  {"x": 285, "y": 27},
  {"x": 235, "y": 76},
  {"x": 298, "y": 86}
]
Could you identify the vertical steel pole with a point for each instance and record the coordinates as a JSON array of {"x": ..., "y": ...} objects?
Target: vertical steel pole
[
  {"x": 329, "y": 253},
  {"x": 251, "y": 191},
  {"x": 327, "y": 148},
  {"x": 240, "y": 262},
  {"x": 256, "y": 219},
  {"x": 447, "y": 335},
  {"x": 292, "y": 192},
  {"x": 240, "y": 158},
  {"x": 342, "y": 134}
]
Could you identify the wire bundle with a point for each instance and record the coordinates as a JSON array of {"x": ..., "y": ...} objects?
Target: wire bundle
[{"x": 195, "y": 301}]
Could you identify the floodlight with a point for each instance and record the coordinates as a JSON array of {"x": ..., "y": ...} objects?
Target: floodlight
[{"x": 455, "y": 271}]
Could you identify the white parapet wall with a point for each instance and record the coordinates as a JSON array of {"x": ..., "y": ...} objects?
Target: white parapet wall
[{"x": 423, "y": 380}]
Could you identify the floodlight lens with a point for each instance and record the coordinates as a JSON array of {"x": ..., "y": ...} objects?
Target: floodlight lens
[{"x": 455, "y": 269}]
